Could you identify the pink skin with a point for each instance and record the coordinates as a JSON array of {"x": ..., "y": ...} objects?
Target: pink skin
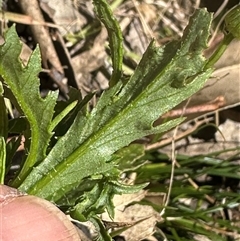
[{"x": 29, "y": 218}]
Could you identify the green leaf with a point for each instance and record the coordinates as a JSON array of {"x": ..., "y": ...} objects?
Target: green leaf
[
  {"x": 128, "y": 156},
  {"x": 196, "y": 227},
  {"x": 232, "y": 21},
  {"x": 3, "y": 115},
  {"x": 124, "y": 113},
  {"x": 2, "y": 159},
  {"x": 81, "y": 106},
  {"x": 3, "y": 135},
  {"x": 93, "y": 202},
  {"x": 24, "y": 84},
  {"x": 105, "y": 14},
  {"x": 61, "y": 115},
  {"x": 103, "y": 235},
  {"x": 11, "y": 149}
]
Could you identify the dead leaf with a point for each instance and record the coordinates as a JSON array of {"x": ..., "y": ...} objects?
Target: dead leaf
[
  {"x": 140, "y": 219},
  {"x": 143, "y": 229},
  {"x": 64, "y": 14}
]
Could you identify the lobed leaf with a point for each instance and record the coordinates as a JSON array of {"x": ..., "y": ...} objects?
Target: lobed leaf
[
  {"x": 124, "y": 113},
  {"x": 24, "y": 84}
]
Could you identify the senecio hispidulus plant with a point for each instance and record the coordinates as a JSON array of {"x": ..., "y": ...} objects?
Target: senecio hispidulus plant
[{"x": 79, "y": 171}]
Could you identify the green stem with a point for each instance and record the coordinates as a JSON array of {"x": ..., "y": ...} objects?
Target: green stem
[
  {"x": 219, "y": 52},
  {"x": 115, "y": 4},
  {"x": 2, "y": 159}
]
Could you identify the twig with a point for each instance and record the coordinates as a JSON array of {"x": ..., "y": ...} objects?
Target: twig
[
  {"x": 25, "y": 19},
  {"x": 41, "y": 34},
  {"x": 210, "y": 106}
]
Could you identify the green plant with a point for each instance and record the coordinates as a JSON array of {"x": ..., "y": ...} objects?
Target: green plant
[
  {"x": 72, "y": 153},
  {"x": 195, "y": 206}
]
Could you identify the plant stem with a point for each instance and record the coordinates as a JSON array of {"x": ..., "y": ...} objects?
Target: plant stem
[
  {"x": 219, "y": 52},
  {"x": 2, "y": 159}
]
